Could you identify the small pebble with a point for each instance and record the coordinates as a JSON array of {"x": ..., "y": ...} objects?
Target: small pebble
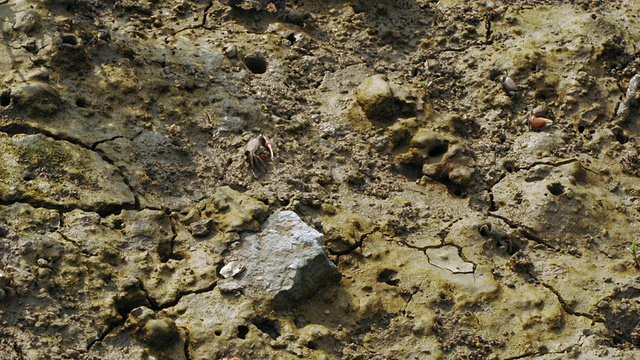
[{"x": 231, "y": 51}]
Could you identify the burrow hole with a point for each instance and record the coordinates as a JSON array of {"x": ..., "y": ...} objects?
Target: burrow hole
[
  {"x": 556, "y": 189},
  {"x": 5, "y": 98},
  {"x": 256, "y": 64},
  {"x": 388, "y": 277},
  {"x": 242, "y": 331},
  {"x": 439, "y": 150},
  {"x": 69, "y": 39},
  {"x": 620, "y": 135},
  {"x": 81, "y": 102},
  {"x": 269, "y": 327}
]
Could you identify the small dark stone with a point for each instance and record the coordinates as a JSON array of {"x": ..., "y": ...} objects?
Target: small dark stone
[
  {"x": 160, "y": 333},
  {"x": 201, "y": 228}
]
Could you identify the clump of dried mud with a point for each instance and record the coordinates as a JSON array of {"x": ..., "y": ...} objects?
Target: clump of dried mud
[{"x": 401, "y": 133}]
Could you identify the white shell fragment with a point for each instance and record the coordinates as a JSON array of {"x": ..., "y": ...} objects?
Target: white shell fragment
[
  {"x": 509, "y": 85},
  {"x": 231, "y": 269},
  {"x": 624, "y": 109}
]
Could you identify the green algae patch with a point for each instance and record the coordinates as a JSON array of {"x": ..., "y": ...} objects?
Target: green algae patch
[{"x": 44, "y": 171}]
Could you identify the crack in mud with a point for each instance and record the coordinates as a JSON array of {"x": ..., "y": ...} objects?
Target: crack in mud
[
  {"x": 105, "y": 332},
  {"x": 174, "y": 232},
  {"x": 205, "y": 15},
  {"x": 18, "y": 350},
  {"x": 523, "y": 356},
  {"x": 12, "y": 129},
  {"x": 95, "y": 144},
  {"x": 459, "y": 248},
  {"x": 203, "y": 22},
  {"x": 524, "y": 231},
  {"x": 563, "y": 303},
  {"x": 152, "y": 302},
  {"x": 105, "y": 211},
  {"x": 357, "y": 245},
  {"x": 409, "y": 296},
  {"x": 74, "y": 243},
  {"x": 187, "y": 342},
  {"x": 153, "y": 305},
  {"x": 515, "y": 168}
]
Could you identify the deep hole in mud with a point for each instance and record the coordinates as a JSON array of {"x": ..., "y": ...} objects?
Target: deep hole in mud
[
  {"x": 556, "y": 189},
  {"x": 242, "y": 331},
  {"x": 118, "y": 224},
  {"x": 411, "y": 171},
  {"x": 165, "y": 251},
  {"x": 217, "y": 333},
  {"x": 439, "y": 150},
  {"x": 269, "y": 327},
  {"x": 509, "y": 166},
  {"x": 69, "y": 39},
  {"x": 5, "y": 98},
  {"x": 581, "y": 129},
  {"x": 256, "y": 64},
  {"x": 620, "y": 136},
  {"x": 131, "y": 299},
  {"x": 80, "y": 102},
  {"x": 388, "y": 277},
  {"x": 484, "y": 230},
  {"x": 456, "y": 190},
  {"x": 292, "y": 38},
  {"x": 495, "y": 73},
  {"x": 312, "y": 345}
]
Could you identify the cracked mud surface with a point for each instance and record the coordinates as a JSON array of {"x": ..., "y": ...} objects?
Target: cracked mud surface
[{"x": 403, "y": 131}]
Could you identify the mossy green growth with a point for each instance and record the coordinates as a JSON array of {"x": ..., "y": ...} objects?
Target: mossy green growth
[
  {"x": 41, "y": 169},
  {"x": 45, "y": 152}
]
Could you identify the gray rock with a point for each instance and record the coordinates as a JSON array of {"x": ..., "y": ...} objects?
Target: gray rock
[
  {"x": 376, "y": 99},
  {"x": 27, "y": 21},
  {"x": 285, "y": 262}
]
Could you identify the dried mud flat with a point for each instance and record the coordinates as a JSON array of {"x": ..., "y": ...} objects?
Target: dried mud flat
[{"x": 411, "y": 211}]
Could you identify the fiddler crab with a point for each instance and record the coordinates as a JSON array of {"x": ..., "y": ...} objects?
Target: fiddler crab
[
  {"x": 257, "y": 153},
  {"x": 535, "y": 119},
  {"x": 101, "y": 39}
]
